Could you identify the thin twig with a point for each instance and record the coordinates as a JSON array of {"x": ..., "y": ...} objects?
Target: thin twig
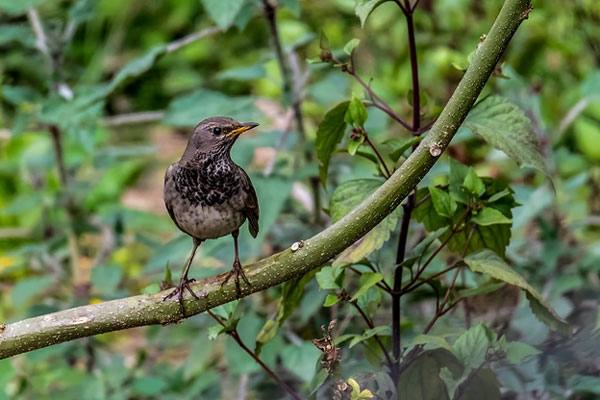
[
  {"x": 235, "y": 336},
  {"x": 375, "y": 337},
  {"x": 379, "y": 157},
  {"x": 179, "y": 43},
  {"x": 133, "y": 118},
  {"x": 41, "y": 40}
]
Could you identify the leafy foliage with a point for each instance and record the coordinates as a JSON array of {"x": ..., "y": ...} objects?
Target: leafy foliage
[{"x": 95, "y": 98}]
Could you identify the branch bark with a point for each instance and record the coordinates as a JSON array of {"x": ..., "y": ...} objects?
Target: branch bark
[{"x": 62, "y": 326}]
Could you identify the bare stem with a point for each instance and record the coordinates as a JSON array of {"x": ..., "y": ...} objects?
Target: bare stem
[
  {"x": 379, "y": 157},
  {"x": 235, "y": 336},
  {"x": 375, "y": 337},
  {"x": 184, "y": 41}
]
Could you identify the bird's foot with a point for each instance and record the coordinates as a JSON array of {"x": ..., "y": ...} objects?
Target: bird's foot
[
  {"x": 236, "y": 272},
  {"x": 184, "y": 284}
]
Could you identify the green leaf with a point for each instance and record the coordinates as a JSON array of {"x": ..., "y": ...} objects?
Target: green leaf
[
  {"x": 247, "y": 73},
  {"x": 344, "y": 199},
  {"x": 192, "y": 108},
  {"x": 383, "y": 330},
  {"x": 16, "y": 33},
  {"x": 401, "y": 145},
  {"x": 223, "y": 12},
  {"x": 487, "y": 262},
  {"x": 354, "y": 145},
  {"x": 331, "y": 300},
  {"x": 330, "y": 278},
  {"x": 329, "y": 134},
  {"x": 148, "y": 386},
  {"x": 18, "y": 7},
  {"x": 482, "y": 289},
  {"x": 430, "y": 339},
  {"x": 356, "y": 114},
  {"x": 290, "y": 299},
  {"x": 350, "y": 46},
  {"x": 516, "y": 351},
  {"x": 442, "y": 202},
  {"x": 27, "y": 288},
  {"x": 136, "y": 67},
  {"x": 584, "y": 384},
  {"x": 363, "y": 8},
  {"x": 471, "y": 347},
  {"x": 324, "y": 42},
  {"x": 367, "y": 280},
  {"x": 473, "y": 183},
  {"x": 495, "y": 237},
  {"x": 301, "y": 360},
  {"x": 106, "y": 278},
  {"x": 590, "y": 88},
  {"x": 504, "y": 126},
  {"x": 421, "y": 379},
  {"x": 82, "y": 11},
  {"x": 489, "y": 216}
]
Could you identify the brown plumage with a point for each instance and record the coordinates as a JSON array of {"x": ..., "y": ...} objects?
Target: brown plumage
[{"x": 208, "y": 196}]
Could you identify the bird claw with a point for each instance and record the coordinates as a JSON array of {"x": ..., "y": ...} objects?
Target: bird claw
[
  {"x": 184, "y": 284},
  {"x": 236, "y": 272}
]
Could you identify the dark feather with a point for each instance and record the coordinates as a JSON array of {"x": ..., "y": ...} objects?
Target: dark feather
[{"x": 251, "y": 210}]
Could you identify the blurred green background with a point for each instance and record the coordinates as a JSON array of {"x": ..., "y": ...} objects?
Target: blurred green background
[{"x": 81, "y": 208}]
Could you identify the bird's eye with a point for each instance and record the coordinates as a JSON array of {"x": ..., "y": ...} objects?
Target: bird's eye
[{"x": 217, "y": 131}]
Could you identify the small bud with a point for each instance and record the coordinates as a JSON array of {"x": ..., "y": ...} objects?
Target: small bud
[{"x": 326, "y": 55}]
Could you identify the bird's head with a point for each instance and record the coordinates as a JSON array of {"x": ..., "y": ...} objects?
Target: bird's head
[{"x": 215, "y": 136}]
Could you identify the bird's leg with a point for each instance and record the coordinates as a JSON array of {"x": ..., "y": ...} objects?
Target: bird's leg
[
  {"x": 184, "y": 282},
  {"x": 237, "y": 269}
]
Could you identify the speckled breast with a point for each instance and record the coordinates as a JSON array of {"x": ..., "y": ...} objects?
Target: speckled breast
[{"x": 207, "y": 202}]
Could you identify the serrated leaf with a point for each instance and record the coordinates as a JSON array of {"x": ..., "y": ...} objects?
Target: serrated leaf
[
  {"x": 504, "y": 126},
  {"x": 488, "y": 262},
  {"x": 471, "y": 347},
  {"x": 356, "y": 114},
  {"x": 329, "y": 134},
  {"x": 344, "y": 199},
  {"x": 367, "y": 280},
  {"x": 495, "y": 237},
  {"x": 473, "y": 183},
  {"x": 489, "y": 216},
  {"x": 351, "y": 45},
  {"x": 223, "y": 12},
  {"x": 364, "y": 8},
  {"x": 442, "y": 202}
]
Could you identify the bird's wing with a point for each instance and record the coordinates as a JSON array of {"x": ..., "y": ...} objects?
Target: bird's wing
[
  {"x": 250, "y": 209},
  {"x": 169, "y": 189}
]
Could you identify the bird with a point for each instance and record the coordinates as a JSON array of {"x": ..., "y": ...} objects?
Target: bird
[{"x": 207, "y": 195}]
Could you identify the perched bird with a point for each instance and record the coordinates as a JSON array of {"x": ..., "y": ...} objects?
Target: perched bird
[{"x": 208, "y": 196}]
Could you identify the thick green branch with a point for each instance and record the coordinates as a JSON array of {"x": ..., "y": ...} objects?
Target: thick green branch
[{"x": 46, "y": 330}]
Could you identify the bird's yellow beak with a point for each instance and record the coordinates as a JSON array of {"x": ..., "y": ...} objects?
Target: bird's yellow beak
[{"x": 246, "y": 126}]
